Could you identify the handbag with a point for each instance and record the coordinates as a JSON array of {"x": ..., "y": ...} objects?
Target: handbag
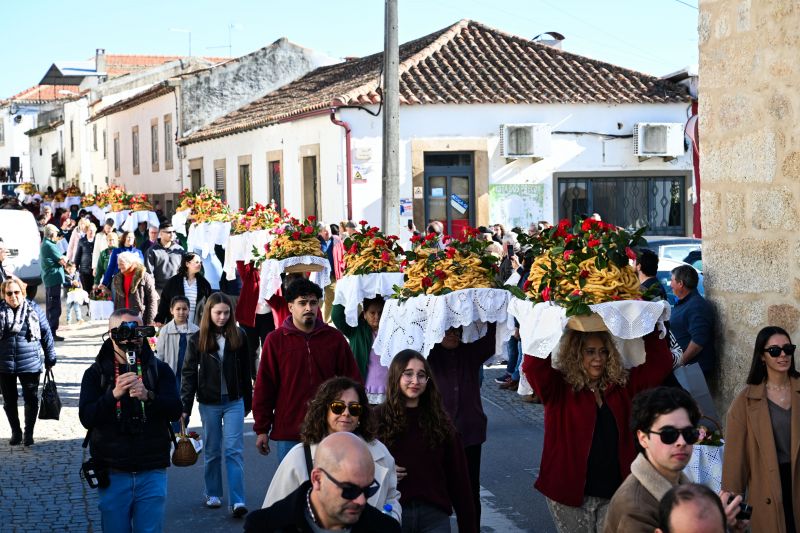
[
  {"x": 50, "y": 407},
  {"x": 184, "y": 453}
]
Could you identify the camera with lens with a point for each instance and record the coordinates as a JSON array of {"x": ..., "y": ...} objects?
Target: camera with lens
[
  {"x": 745, "y": 510},
  {"x": 130, "y": 333}
]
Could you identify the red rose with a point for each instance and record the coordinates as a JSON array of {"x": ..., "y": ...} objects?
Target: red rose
[
  {"x": 353, "y": 249},
  {"x": 308, "y": 230},
  {"x": 312, "y": 218},
  {"x": 577, "y": 292},
  {"x": 568, "y": 239},
  {"x": 568, "y": 254},
  {"x": 630, "y": 253},
  {"x": 584, "y": 274},
  {"x": 450, "y": 252},
  {"x": 277, "y": 220},
  {"x": 441, "y": 274},
  {"x": 427, "y": 282},
  {"x": 546, "y": 294},
  {"x": 295, "y": 235},
  {"x": 588, "y": 223},
  {"x": 403, "y": 264},
  {"x": 592, "y": 243},
  {"x": 526, "y": 285},
  {"x": 430, "y": 236},
  {"x": 385, "y": 257},
  {"x": 363, "y": 222},
  {"x": 416, "y": 238},
  {"x": 379, "y": 242}
]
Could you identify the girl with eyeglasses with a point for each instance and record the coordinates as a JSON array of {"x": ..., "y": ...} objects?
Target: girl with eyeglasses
[
  {"x": 762, "y": 436},
  {"x": 587, "y": 395},
  {"x": 188, "y": 282},
  {"x": 432, "y": 467},
  {"x": 340, "y": 404}
]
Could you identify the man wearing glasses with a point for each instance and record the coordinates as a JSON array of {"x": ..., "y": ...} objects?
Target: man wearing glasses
[
  {"x": 335, "y": 496},
  {"x": 664, "y": 421},
  {"x": 164, "y": 258}
]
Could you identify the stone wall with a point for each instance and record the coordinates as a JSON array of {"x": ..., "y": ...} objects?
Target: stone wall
[{"x": 750, "y": 172}]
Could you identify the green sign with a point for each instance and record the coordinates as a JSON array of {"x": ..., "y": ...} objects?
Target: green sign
[{"x": 517, "y": 204}]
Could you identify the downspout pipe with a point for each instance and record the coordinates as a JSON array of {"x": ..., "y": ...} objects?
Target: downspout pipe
[{"x": 348, "y": 161}]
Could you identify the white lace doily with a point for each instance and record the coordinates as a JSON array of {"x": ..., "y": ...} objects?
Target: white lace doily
[
  {"x": 705, "y": 466},
  {"x": 179, "y": 220},
  {"x": 135, "y": 217},
  {"x": 351, "y": 291},
  {"x": 541, "y": 325},
  {"x": 272, "y": 269},
  {"x": 240, "y": 248},
  {"x": 420, "y": 322},
  {"x": 204, "y": 236},
  {"x": 97, "y": 212}
]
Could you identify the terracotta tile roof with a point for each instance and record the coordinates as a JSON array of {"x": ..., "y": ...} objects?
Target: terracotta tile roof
[
  {"x": 45, "y": 128},
  {"x": 45, "y": 93},
  {"x": 119, "y": 64},
  {"x": 466, "y": 63},
  {"x": 159, "y": 89}
]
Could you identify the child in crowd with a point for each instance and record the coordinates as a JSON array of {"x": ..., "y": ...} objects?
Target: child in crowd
[
  {"x": 173, "y": 339},
  {"x": 75, "y": 294}
]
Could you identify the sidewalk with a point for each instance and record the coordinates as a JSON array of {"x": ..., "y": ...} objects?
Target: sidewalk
[{"x": 42, "y": 489}]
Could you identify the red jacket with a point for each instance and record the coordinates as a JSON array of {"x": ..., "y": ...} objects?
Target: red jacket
[
  {"x": 338, "y": 257},
  {"x": 248, "y": 297},
  {"x": 293, "y": 365},
  {"x": 569, "y": 419}
]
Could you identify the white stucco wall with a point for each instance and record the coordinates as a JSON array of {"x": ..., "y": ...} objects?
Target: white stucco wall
[
  {"x": 15, "y": 143},
  {"x": 45, "y": 144},
  {"x": 98, "y": 164},
  {"x": 147, "y": 180},
  {"x": 77, "y": 159}
]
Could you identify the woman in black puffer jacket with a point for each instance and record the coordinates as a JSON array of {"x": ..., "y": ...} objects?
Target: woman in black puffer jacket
[
  {"x": 83, "y": 258},
  {"x": 24, "y": 333}
]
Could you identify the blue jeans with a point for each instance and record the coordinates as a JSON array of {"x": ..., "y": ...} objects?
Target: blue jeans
[
  {"x": 284, "y": 446},
  {"x": 520, "y": 357},
  {"x": 224, "y": 421},
  {"x": 134, "y": 501},
  {"x": 74, "y": 307},
  {"x": 512, "y": 351}
]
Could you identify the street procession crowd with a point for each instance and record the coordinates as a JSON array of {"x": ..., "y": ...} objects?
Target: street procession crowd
[{"x": 374, "y": 443}]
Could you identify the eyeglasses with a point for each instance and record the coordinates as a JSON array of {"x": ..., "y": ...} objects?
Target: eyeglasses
[
  {"x": 351, "y": 491},
  {"x": 12, "y": 293},
  {"x": 775, "y": 351},
  {"x": 669, "y": 435},
  {"x": 409, "y": 375},
  {"x": 338, "y": 407}
]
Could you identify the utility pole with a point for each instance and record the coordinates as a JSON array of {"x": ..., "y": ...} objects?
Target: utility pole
[{"x": 390, "y": 215}]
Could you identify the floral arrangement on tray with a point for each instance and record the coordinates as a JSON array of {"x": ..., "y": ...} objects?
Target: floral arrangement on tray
[
  {"x": 710, "y": 437},
  {"x": 583, "y": 264},
  {"x": 99, "y": 295},
  {"x": 27, "y": 188},
  {"x": 295, "y": 238},
  {"x": 258, "y": 217},
  {"x": 463, "y": 264},
  {"x": 206, "y": 206},
  {"x": 370, "y": 251},
  {"x": 73, "y": 190},
  {"x": 60, "y": 195},
  {"x": 88, "y": 200},
  {"x": 139, "y": 202},
  {"x": 114, "y": 197}
]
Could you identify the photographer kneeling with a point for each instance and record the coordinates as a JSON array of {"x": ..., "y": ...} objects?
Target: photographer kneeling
[{"x": 127, "y": 399}]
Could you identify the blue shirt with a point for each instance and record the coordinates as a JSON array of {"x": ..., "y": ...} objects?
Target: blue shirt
[{"x": 693, "y": 320}]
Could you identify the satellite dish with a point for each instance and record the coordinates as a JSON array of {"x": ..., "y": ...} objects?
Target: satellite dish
[{"x": 17, "y": 119}]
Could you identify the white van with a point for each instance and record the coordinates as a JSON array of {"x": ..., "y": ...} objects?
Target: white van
[{"x": 20, "y": 235}]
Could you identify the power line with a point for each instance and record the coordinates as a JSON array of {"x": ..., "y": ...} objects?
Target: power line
[{"x": 686, "y": 4}]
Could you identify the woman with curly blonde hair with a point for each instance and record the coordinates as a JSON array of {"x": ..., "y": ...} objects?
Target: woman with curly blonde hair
[{"x": 588, "y": 449}]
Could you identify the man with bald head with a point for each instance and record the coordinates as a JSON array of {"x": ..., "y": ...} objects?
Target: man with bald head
[
  {"x": 694, "y": 508},
  {"x": 127, "y": 399},
  {"x": 335, "y": 496}
]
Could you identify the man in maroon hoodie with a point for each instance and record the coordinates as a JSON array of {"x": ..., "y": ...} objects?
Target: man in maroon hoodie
[{"x": 297, "y": 357}]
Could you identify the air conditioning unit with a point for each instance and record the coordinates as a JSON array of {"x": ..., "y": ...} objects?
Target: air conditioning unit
[
  {"x": 658, "y": 139},
  {"x": 525, "y": 140}
]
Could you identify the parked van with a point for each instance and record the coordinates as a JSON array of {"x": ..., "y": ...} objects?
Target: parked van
[{"x": 20, "y": 234}]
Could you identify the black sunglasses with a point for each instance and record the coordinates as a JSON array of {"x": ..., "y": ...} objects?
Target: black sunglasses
[
  {"x": 351, "y": 491},
  {"x": 669, "y": 435},
  {"x": 775, "y": 351},
  {"x": 338, "y": 407}
]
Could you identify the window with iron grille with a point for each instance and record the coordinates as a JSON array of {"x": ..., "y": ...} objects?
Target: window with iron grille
[{"x": 629, "y": 202}]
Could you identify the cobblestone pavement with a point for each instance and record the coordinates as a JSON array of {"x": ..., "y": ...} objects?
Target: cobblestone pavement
[
  {"x": 41, "y": 488},
  {"x": 509, "y": 401}
]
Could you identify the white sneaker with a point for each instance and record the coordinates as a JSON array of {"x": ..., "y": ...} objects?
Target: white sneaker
[
  {"x": 239, "y": 510},
  {"x": 213, "y": 502}
]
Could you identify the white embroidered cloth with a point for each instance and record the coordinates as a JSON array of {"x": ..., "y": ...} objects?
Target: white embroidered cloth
[
  {"x": 542, "y": 324},
  {"x": 69, "y": 201},
  {"x": 204, "y": 236},
  {"x": 420, "y": 322},
  {"x": 705, "y": 466},
  {"x": 179, "y": 220},
  {"x": 351, "y": 291},
  {"x": 119, "y": 217},
  {"x": 272, "y": 269},
  {"x": 240, "y": 248},
  {"x": 135, "y": 217},
  {"x": 97, "y": 212}
]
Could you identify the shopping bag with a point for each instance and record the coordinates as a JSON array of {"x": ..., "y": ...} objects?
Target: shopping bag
[
  {"x": 50, "y": 407},
  {"x": 691, "y": 378}
]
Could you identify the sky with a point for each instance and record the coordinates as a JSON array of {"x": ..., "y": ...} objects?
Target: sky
[{"x": 653, "y": 36}]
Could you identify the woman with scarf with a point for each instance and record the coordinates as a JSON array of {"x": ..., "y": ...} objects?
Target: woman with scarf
[
  {"x": 135, "y": 288},
  {"x": 126, "y": 244},
  {"x": 24, "y": 332}
]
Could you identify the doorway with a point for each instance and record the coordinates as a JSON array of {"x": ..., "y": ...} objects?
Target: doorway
[{"x": 450, "y": 190}]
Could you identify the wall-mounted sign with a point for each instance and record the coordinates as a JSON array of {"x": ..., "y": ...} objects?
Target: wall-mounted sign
[
  {"x": 437, "y": 192},
  {"x": 458, "y": 203},
  {"x": 406, "y": 208},
  {"x": 418, "y": 193}
]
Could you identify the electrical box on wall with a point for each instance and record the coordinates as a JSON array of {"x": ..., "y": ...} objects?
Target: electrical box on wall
[
  {"x": 519, "y": 141},
  {"x": 658, "y": 139}
]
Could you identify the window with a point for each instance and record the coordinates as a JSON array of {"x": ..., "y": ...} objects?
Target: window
[
  {"x": 245, "y": 185},
  {"x": 2, "y": 133},
  {"x": 168, "y": 145},
  {"x": 219, "y": 178},
  {"x": 116, "y": 155},
  {"x": 274, "y": 169},
  {"x": 94, "y": 136},
  {"x": 71, "y": 137},
  {"x": 105, "y": 145},
  {"x": 630, "y": 201},
  {"x": 135, "y": 148},
  {"x": 154, "y": 144}
]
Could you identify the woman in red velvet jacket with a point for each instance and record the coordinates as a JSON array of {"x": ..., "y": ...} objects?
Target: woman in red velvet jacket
[{"x": 588, "y": 448}]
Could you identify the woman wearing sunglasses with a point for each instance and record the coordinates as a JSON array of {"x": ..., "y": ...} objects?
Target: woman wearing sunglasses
[
  {"x": 762, "y": 433},
  {"x": 588, "y": 450},
  {"x": 340, "y": 404},
  {"x": 432, "y": 466}
]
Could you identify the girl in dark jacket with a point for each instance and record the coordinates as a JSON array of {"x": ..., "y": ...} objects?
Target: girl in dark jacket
[
  {"x": 24, "y": 331},
  {"x": 217, "y": 370},
  {"x": 187, "y": 282},
  {"x": 83, "y": 257}
]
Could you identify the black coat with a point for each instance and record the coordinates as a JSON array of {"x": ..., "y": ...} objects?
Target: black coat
[
  {"x": 288, "y": 516},
  {"x": 83, "y": 257},
  {"x": 201, "y": 374},
  {"x": 174, "y": 287},
  {"x": 130, "y": 443}
]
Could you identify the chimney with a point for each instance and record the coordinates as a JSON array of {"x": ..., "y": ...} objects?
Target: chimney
[
  {"x": 552, "y": 39},
  {"x": 100, "y": 60}
]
